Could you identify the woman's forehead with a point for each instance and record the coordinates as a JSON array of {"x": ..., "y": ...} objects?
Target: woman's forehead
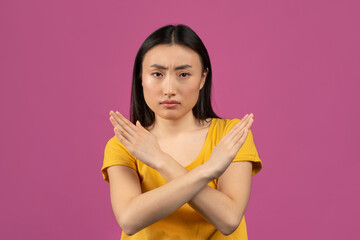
[{"x": 171, "y": 56}]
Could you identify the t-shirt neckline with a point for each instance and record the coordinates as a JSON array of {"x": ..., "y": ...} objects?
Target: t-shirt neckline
[{"x": 207, "y": 139}]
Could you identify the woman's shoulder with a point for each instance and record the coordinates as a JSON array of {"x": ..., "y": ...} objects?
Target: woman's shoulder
[
  {"x": 226, "y": 122},
  {"x": 114, "y": 145},
  {"x": 114, "y": 141},
  {"x": 221, "y": 126}
]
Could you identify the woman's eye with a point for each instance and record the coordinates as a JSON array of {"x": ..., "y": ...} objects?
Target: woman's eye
[
  {"x": 156, "y": 74},
  {"x": 182, "y": 74}
]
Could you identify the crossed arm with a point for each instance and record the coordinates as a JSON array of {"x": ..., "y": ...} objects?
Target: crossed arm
[{"x": 222, "y": 207}]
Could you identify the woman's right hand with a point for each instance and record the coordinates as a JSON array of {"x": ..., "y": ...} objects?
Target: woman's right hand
[{"x": 223, "y": 153}]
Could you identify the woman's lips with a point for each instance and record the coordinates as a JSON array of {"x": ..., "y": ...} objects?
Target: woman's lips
[{"x": 170, "y": 105}]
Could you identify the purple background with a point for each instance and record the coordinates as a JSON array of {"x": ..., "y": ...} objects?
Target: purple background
[{"x": 65, "y": 64}]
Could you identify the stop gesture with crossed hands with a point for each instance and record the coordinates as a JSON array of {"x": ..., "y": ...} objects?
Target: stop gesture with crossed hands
[{"x": 144, "y": 146}]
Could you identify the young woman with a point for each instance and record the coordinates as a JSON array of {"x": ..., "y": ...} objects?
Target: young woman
[{"x": 176, "y": 170}]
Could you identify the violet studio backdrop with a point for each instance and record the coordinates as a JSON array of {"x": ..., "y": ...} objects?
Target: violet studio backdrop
[{"x": 65, "y": 64}]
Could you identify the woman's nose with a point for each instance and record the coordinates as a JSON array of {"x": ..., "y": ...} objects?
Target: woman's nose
[{"x": 169, "y": 88}]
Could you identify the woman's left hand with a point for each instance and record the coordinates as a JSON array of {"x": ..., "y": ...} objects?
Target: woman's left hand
[{"x": 137, "y": 140}]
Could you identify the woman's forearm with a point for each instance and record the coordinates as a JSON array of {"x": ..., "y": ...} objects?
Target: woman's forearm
[
  {"x": 215, "y": 206},
  {"x": 149, "y": 207}
]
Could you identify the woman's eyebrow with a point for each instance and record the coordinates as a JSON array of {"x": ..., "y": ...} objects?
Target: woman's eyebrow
[{"x": 176, "y": 68}]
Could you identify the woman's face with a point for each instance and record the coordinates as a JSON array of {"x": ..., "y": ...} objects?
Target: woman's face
[{"x": 171, "y": 72}]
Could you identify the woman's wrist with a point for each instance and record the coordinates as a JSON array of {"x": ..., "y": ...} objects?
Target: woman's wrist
[
  {"x": 163, "y": 161},
  {"x": 209, "y": 170},
  {"x": 169, "y": 168}
]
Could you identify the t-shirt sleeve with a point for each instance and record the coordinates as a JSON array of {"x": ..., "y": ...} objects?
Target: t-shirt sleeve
[
  {"x": 115, "y": 153},
  {"x": 248, "y": 151}
]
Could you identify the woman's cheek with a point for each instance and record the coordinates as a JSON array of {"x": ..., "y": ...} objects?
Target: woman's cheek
[
  {"x": 148, "y": 82},
  {"x": 194, "y": 93},
  {"x": 152, "y": 94}
]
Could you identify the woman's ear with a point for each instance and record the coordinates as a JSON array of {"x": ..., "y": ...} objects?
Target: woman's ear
[{"x": 203, "y": 78}]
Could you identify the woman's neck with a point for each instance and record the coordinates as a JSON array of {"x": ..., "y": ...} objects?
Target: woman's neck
[{"x": 165, "y": 128}]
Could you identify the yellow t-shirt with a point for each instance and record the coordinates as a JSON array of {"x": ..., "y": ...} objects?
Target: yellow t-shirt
[{"x": 185, "y": 222}]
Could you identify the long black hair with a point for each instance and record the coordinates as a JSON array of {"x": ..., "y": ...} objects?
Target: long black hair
[{"x": 170, "y": 34}]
